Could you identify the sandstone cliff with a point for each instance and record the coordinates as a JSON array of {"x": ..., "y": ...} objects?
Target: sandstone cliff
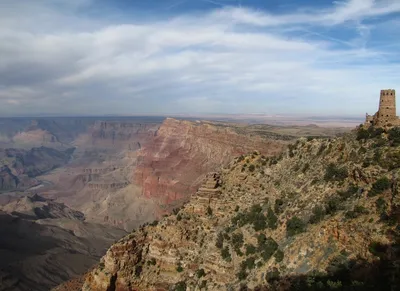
[
  {"x": 324, "y": 215},
  {"x": 173, "y": 164}
]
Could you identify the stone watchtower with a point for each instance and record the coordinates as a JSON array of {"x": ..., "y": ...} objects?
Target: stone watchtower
[
  {"x": 386, "y": 115},
  {"x": 387, "y": 107}
]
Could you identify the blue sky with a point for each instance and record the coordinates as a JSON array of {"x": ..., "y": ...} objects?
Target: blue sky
[{"x": 197, "y": 56}]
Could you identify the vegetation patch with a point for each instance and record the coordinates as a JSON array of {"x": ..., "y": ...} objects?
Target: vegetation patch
[
  {"x": 335, "y": 173},
  {"x": 379, "y": 186},
  {"x": 295, "y": 226}
]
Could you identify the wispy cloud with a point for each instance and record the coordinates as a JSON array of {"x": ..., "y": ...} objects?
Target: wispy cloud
[{"x": 228, "y": 59}]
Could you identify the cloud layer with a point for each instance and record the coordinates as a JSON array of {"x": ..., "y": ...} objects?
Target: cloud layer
[{"x": 333, "y": 60}]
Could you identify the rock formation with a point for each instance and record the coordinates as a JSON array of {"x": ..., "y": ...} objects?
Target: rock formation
[
  {"x": 43, "y": 243},
  {"x": 324, "y": 215},
  {"x": 172, "y": 165},
  {"x": 18, "y": 167}
]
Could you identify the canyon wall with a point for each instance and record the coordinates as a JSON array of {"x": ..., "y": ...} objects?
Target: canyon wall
[
  {"x": 118, "y": 134},
  {"x": 173, "y": 164}
]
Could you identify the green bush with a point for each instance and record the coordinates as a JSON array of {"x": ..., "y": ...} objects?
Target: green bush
[
  {"x": 209, "y": 211},
  {"x": 242, "y": 275},
  {"x": 180, "y": 286},
  {"x": 226, "y": 255},
  {"x": 200, "y": 273},
  {"x": 179, "y": 268},
  {"x": 271, "y": 219},
  {"x": 248, "y": 263},
  {"x": 333, "y": 205},
  {"x": 278, "y": 206},
  {"x": 379, "y": 186},
  {"x": 350, "y": 192},
  {"x": 250, "y": 249},
  {"x": 306, "y": 167},
  {"x": 356, "y": 212},
  {"x": 220, "y": 241},
  {"x": 381, "y": 205},
  {"x": 279, "y": 255},
  {"x": 318, "y": 214},
  {"x": 252, "y": 168},
  {"x": 295, "y": 226},
  {"x": 394, "y": 136},
  {"x": 334, "y": 173},
  {"x": 266, "y": 246},
  {"x": 237, "y": 240}
]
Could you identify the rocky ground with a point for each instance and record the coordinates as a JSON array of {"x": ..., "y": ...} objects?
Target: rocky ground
[
  {"x": 43, "y": 243},
  {"x": 323, "y": 215}
]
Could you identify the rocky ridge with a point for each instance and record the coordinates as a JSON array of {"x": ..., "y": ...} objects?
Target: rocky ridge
[
  {"x": 173, "y": 164},
  {"x": 323, "y": 215}
]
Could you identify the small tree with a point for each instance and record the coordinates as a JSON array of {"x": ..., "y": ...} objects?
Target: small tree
[{"x": 295, "y": 226}]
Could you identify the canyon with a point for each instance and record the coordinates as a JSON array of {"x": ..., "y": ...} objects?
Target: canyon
[
  {"x": 111, "y": 175},
  {"x": 323, "y": 215}
]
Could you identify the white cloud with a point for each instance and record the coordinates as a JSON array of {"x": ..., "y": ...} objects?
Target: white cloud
[{"x": 228, "y": 60}]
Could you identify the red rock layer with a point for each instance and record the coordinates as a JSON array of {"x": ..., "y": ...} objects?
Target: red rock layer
[{"x": 173, "y": 164}]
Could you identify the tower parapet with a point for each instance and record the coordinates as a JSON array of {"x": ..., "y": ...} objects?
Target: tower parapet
[{"x": 386, "y": 115}]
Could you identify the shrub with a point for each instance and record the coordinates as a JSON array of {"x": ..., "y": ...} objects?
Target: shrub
[
  {"x": 333, "y": 173},
  {"x": 318, "y": 214},
  {"x": 209, "y": 211},
  {"x": 377, "y": 249},
  {"x": 279, "y": 255},
  {"x": 242, "y": 275},
  {"x": 356, "y": 212},
  {"x": 381, "y": 205},
  {"x": 394, "y": 136},
  {"x": 237, "y": 240},
  {"x": 278, "y": 206},
  {"x": 344, "y": 195},
  {"x": 267, "y": 247},
  {"x": 152, "y": 262},
  {"x": 273, "y": 275},
  {"x": 295, "y": 226},
  {"x": 237, "y": 208},
  {"x": 248, "y": 263},
  {"x": 271, "y": 219},
  {"x": 180, "y": 286},
  {"x": 179, "y": 217},
  {"x": 250, "y": 249},
  {"x": 138, "y": 270},
  {"x": 306, "y": 167},
  {"x": 332, "y": 205},
  {"x": 179, "y": 268},
  {"x": 362, "y": 134},
  {"x": 379, "y": 186},
  {"x": 220, "y": 241},
  {"x": 252, "y": 168},
  {"x": 226, "y": 255},
  {"x": 393, "y": 160},
  {"x": 200, "y": 273}
]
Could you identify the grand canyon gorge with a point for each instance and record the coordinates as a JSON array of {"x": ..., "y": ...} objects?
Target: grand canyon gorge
[
  {"x": 199, "y": 145},
  {"x": 70, "y": 187}
]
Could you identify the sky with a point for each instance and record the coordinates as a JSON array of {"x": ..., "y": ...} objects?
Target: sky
[{"x": 126, "y": 57}]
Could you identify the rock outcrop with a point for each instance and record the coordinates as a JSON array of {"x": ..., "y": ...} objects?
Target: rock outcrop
[
  {"x": 299, "y": 220},
  {"x": 18, "y": 167},
  {"x": 114, "y": 134},
  {"x": 173, "y": 164},
  {"x": 43, "y": 243}
]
